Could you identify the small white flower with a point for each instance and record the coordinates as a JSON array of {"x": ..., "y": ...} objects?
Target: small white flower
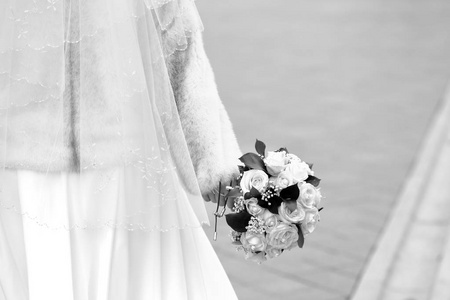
[
  {"x": 310, "y": 222},
  {"x": 254, "y": 178},
  {"x": 283, "y": 236},
  {"x": 273, "y": 252},
  {"x": 299, "y": 170},
  {"x": 252, "y": 207},
  {"x": 284, "y": 180},
  {"x": 309, "y": 196},
  {"x": 288, "y": 216},
  {"x": 292, "y": 158},
  {"x": 270, "y": 220},
  {"x": 275, "y": 162},
  {"x": 253, "y": 241}
]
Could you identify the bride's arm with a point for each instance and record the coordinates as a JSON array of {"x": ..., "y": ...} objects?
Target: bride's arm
[{"x": 209, "y": 134}]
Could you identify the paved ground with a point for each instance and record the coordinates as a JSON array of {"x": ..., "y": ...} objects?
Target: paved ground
[
  {"x": 412, "y": 256},
  {"x": 350, "y": 85}
]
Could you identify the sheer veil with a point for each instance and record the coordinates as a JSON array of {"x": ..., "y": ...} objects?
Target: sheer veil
[{"x": 85, "y": 98}]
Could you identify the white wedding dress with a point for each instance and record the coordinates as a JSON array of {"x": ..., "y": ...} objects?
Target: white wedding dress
[{"x": 124, "y": 223}]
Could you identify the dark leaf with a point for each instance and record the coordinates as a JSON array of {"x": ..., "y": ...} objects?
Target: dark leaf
[
  {"x": 263, "y": 203},
  {"x": 242, "y": 169},
  {"x": 290, "y": 193},
  {"x": 254, "y": 193},
  {"x": 310, "y": 165},
  {"x": 313, "y": 180},
  {"x": 253, "y": 161},
  {"x": 274, "y": 201},
  {"x": 320, "y": 208},
  {"x": 233, "y": 193},
  {"x": 301, "y": 238},
  {"x": 292, "y": 205},
  {"x": 282, "y": 149},
  {"x": 238, "y": 221},
  {"x": 260, "y": 147}
]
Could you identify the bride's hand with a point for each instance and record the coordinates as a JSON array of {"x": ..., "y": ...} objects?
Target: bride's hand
[{"x": 217, "y": 194}]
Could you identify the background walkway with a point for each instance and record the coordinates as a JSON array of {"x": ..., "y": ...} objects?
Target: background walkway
[
  {"x": 348, "y": 85},
  {"x": 412, "y": 256}
]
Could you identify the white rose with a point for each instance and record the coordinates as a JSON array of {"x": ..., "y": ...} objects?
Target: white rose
[
  {"x": 283, "y": 236},
  {"x": 252, "y": 207},
  {"x": 309, "y": 196},
  {"x": 270, "y": 220},
  {"x": 299, "y": 170},
  {"x": 256, "y": 257},
  {"x": 284, "y": 180},
  {"x": 265, "y": 215},
  {"x": 253, "y": 242},
  {"x": 288, "y": 216},
  {"x": 292, "y": 157},
  {"x": 310, "y": 222},
  {"x": 275, "y": 162},
  {"x": 273, "y": 252},
  {"x": 254, "y": 178}
]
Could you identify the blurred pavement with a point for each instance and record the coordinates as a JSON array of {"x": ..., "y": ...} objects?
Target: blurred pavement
[
  {"x": 349, "y": 85},
  {"x": 412, "y": 256}
]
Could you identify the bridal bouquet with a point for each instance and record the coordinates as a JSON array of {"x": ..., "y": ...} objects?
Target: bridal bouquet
[{"x": 276, "y": 203}]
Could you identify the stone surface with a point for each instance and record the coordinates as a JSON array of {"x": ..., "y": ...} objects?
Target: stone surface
[
  {"x": 348, "y": 85},
  {"x": 408, "y": 261}
]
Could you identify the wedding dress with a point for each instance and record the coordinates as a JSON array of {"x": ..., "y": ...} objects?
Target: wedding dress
[{"x": 104, "y": 204}]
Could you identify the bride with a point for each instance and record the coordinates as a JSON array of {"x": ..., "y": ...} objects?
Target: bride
[{"x": 111, "y": 131}]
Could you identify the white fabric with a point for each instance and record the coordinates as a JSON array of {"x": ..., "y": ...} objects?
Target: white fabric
[
  {"x": 39, "y": 263},
  {"x": 93, "y": 204},
  {"x": 84, "y": 87}
]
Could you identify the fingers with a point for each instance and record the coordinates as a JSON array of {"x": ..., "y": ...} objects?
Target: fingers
[
  {"x": 213, "y": 196},
  {"x": 206, "y": 198},
  {"x": 230, "y": 202},
  {"x": 209, "y": 197}
]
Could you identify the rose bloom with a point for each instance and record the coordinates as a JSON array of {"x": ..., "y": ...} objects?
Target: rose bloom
[
  {"x": 256, "y": 257},
  {"x": 283, "y": 236},
  {"x": 270, "y": 220},
  {"x": 299, "y": 170},
  {"x": 252, "y": 207},
  {"x": 288, "y": 216},
  {"x": 275, "y": 162},
  {"x": 254, "y": 178},
  {"x": 273, "y": 252},
  {"x": 265, "y": 214},
  {"x": 292, "y": 157},
  {"x": 253, "y": 241},
  {"x": 309, "y": 195},
  {"x": 284, "y": 179},
  {"x": 310, "y": 222}
]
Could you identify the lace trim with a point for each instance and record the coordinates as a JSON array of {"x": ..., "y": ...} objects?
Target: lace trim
[
  {"x": 196, "y": 27},
  {"x": 179, "y": 41},
  {"x": 13, "y": 78},
  {"x": 57, "y": 97},
  {"x": 107, "y": 224}
]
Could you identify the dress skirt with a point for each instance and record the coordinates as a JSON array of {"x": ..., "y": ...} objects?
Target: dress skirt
[{"x": 38, "y": 262}]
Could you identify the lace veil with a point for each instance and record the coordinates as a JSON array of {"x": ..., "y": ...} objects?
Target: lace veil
[{"x": 86, "y": 102}]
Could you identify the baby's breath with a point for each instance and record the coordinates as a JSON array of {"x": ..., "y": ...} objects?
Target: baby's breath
[
  {"x": 271, "y": 191},
  {"x": 256, "y": 225},
  {"x": 239, "y": 205},
  {"x": 235, "y": 236}
]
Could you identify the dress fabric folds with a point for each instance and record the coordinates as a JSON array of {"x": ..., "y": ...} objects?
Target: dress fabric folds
[
  {"x": 93, "y": 203},
  {"x": 103, "y": 263}
]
